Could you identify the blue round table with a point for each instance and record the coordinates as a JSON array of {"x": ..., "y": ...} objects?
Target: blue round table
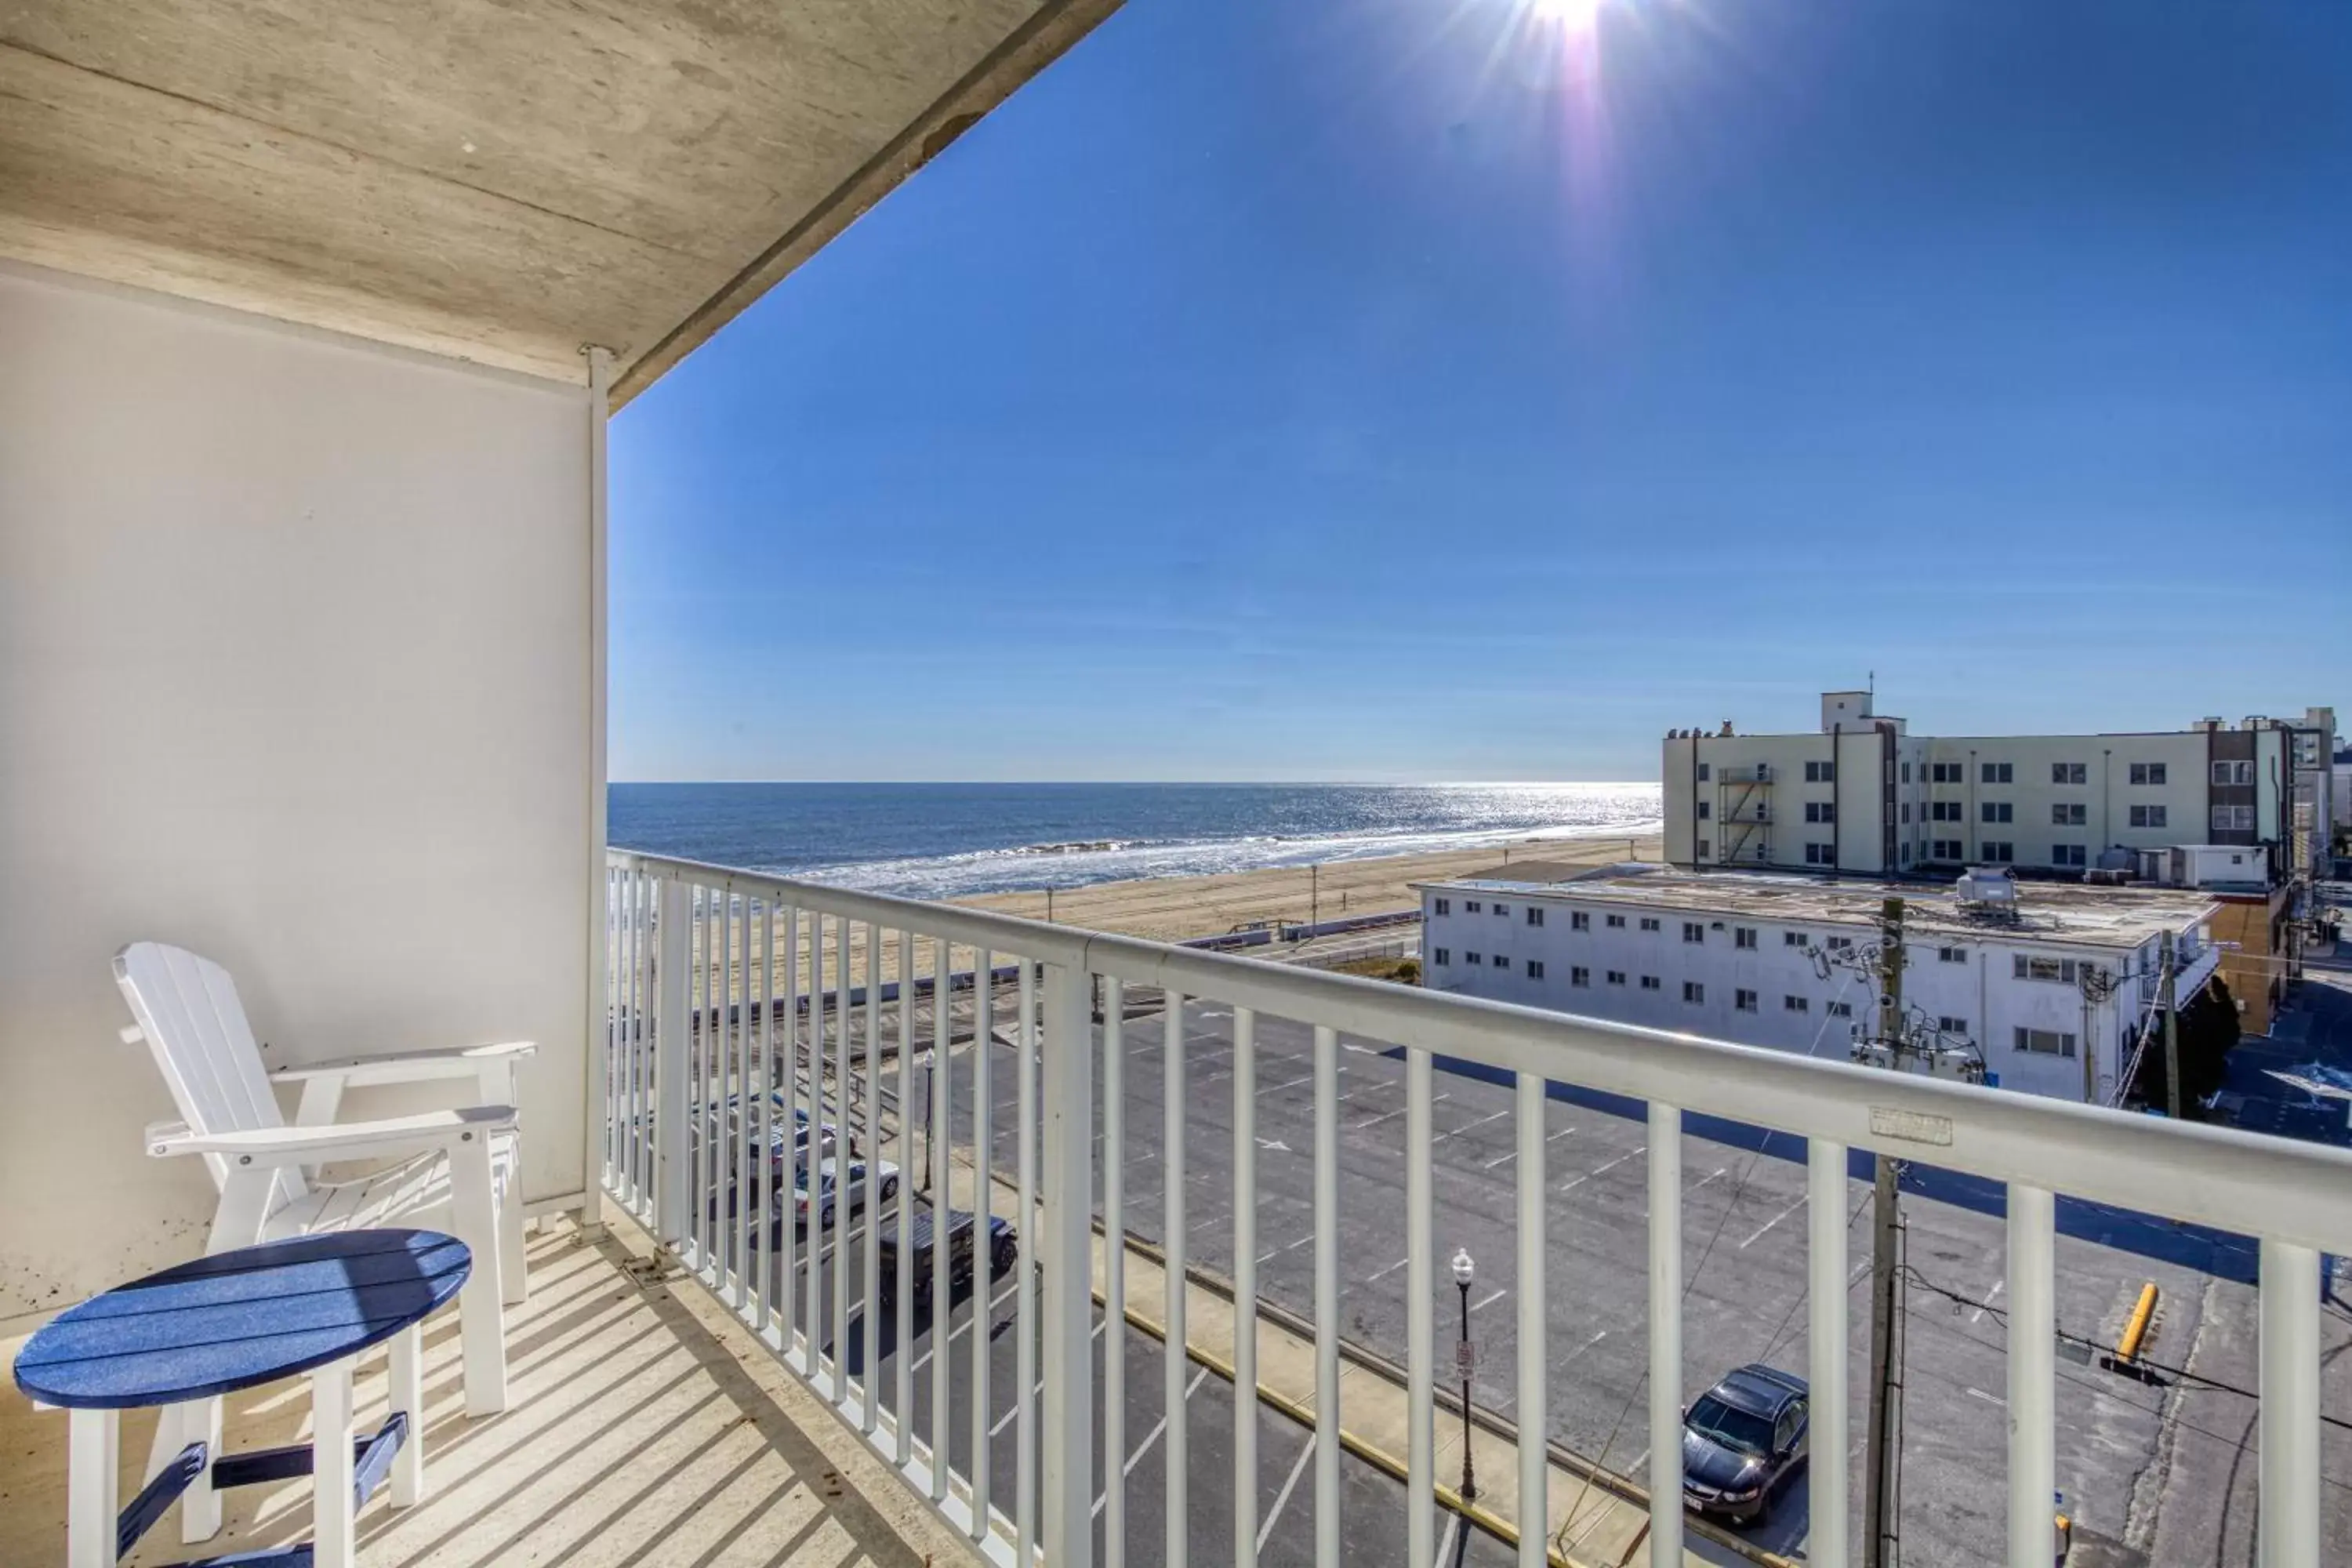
[{"x": 183, "y": 1338}]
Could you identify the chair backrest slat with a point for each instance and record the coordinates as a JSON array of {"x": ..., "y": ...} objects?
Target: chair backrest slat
[{"x": 187, "y": 1007}]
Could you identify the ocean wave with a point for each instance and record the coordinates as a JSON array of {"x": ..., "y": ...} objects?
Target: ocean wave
[{"x": 1080, "y": 863}]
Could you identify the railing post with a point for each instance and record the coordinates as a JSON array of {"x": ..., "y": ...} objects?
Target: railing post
[
  {"x": 2033, "y": 1370},
  {"x": 1066, "y": 1447},
  {"x": 673, "y": 1145},
  {"x": 1825, "y": 1225},
  {"x": 2287, "y": 1529},
  {"x": 1665, "y": 1334}
]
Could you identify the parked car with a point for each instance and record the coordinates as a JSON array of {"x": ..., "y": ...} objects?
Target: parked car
[
  {"x": 1003, "y": 1249},
  {"x": 837, "y": 1188},
  {"x": 1741, "y": 1439}
]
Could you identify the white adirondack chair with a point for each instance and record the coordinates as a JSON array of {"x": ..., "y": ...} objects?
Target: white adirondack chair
[{"x": 455, "y": 1170}]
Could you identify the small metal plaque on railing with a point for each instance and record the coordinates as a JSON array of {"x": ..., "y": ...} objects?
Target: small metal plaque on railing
[
  {"x": 1465, "y": 1361},
  {"x": 1910, "y": 1126}
]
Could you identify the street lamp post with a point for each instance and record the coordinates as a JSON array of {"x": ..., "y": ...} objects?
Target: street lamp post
[{"x": 1463, "y": 1270}]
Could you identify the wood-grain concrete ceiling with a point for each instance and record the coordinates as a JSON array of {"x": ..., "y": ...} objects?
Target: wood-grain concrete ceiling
[{"x": 502, "y": 181}]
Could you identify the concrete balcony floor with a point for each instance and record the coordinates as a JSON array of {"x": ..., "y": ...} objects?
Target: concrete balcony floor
[{"x": 645, "y": 1428}]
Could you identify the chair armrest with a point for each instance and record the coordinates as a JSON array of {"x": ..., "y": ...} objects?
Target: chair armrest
[
  {"x": 410, "y": 1066},
  {"x": 343, "y": 1140}
]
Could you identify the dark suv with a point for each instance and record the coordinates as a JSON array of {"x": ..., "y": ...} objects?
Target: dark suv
[
  {"x": 1741, "y": 1439},
  {"x": 1003, "y": 1247}
]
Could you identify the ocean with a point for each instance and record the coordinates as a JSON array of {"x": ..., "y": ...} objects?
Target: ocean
[{"x": 947, "y": 840}]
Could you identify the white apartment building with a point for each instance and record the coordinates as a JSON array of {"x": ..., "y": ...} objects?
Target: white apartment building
[
  {"x": 2050, "y": 995},
  {"x": 1864, "y": 796}
]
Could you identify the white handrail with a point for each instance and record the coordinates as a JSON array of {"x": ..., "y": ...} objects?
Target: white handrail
[{"x": 680, "y": 1042}]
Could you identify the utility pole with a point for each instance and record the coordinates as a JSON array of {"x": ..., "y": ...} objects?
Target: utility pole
[
  {"x": 1884, "y": 1441},
  {"x": 2171, "y": 1036},
  {"x": 1314, "y": 895}
]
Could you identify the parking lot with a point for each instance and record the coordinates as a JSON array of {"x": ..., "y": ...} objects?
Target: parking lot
[
  {"x": 2160, "y": 1471},
  {"x": 1372, "y": 1502}
]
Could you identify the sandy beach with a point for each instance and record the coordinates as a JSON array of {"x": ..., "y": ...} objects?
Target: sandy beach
[
  {"x": 1170, "y": 909},
  {"x": 1173, "y": 908}
]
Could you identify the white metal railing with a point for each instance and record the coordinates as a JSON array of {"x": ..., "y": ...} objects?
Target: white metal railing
[{"x": 737, "y": 999}]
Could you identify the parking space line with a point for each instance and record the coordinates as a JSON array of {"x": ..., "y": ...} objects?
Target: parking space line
[
  {"x": 1480, "y": 1306},
  {"x": 1502, "y": 1160},
  {"x": 1389, "y": 1269},
  {"x": 1705, "y": 1180},
  {"x": 1977, "y": 1316},
  {"x": 1445, "y": 1541},
  {"x": 1305, "y": 1452},
  {"x": 1376, "y": 1121},
  {"x": 1776, "y": 1219},
  {"x": 1467, "y": 1125},
  {"x": 1291, "y": 1083},
  {"x": 1153, "y": 1437}
]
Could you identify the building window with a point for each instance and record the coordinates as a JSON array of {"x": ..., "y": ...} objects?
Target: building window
[
  {"x": 1694, "y": 992},
  {"x": 1820, "y": 854},
  {"x": 1693, "y": 932},
  {"x": 1997, "y": 773},
  {"x": 1744, "y": 1000},
  {"x": 1839, "y": 1009},
  {"x": 1704, "y": 809},
  {"x": 1943, "y": 773},
  {"x": 1649, "y": 983},
  {"x": 1444, "y": 957},
  {"x": 1707, "y": 848},
  {"x": 1792, "y": 939},
  {"x": 1702, "y": 772},
  {"x": 1907, "y": 854},
  {"x": 1535, "y": 915},
  {"x": 1504, "y": 910},
  {"x": 1906, "y": 772},
  {"x": 1996, "y": 852},
  {"x": 1819, "y": 773},
  {"x": 1445, "y": 906},
  {"x": 2148, "y": 816},
  {"x": 2069, "y": 773},
  {"x": 1616, "y": 977},
  {"x": 1578, "y": 920},
  {"x": 1945, "y": 849},
  {"x": 1533, "y": 966},
  {"x": 1795, "y": 1005},
  {"x": 2147, "y": 772},
  {"x": 1502, "y": 960},
  {"x": 1951, "y": 955},
  {"x": 1472, "y": 958},
  {"x": 1998, "y": 811},
  {"x": 2234, "y": 773},
  {"x": 2232, "y": 818},
  {"x": 1615, "y": 922},
  {"x": 1743, "y": 936},
  {"x": 1837, "y": 944},
  {"x": 1649, "y": 922},
  {"x": 2068, "y": 855},
  {"x": 2068, "y": 813},
  {"x": 1951, "y": 1025},
  {"x": 2046, "y": 1042},
  {"x": 1821, "y": 811},
  {"x": 1580, "y": 975},
  {"x": 1472, "y": 907},
  {"x": 2028, "y": 966},
  {"x": 1943, "y": 811}
]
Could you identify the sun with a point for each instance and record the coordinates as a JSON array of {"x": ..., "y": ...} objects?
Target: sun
[{"x": 1575, "y": 16}]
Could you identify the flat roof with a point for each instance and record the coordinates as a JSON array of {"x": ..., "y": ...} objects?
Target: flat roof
[{"x": 2064, "y": 912}]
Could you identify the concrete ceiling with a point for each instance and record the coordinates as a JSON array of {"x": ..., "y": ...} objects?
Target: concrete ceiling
[{"x": 498, "y": 180}]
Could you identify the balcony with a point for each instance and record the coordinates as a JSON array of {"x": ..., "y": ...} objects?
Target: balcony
[{"x": 1076, "y": 1124}]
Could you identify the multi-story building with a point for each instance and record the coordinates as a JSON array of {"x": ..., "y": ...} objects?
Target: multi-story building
[
  {"x": 2049, "y": 992},
  {"x": 1864, "y": 796}
]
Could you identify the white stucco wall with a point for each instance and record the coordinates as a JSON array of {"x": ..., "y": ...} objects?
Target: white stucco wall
[{"x": 294, "y": 670}]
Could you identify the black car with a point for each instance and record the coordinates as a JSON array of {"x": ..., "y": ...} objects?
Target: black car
[
  {"x": 1741, "y": 1439},
  {"x": 1003, "y": 1247}
]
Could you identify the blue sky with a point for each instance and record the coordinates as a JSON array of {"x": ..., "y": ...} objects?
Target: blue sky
[{"x": 1436, "y": 389}]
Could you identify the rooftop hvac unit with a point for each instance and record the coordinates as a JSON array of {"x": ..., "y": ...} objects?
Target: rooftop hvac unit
[{"x": 1981, "y": 886}]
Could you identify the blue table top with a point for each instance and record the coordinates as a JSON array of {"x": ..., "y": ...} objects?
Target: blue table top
[{"x": 241, "y": 1317}]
